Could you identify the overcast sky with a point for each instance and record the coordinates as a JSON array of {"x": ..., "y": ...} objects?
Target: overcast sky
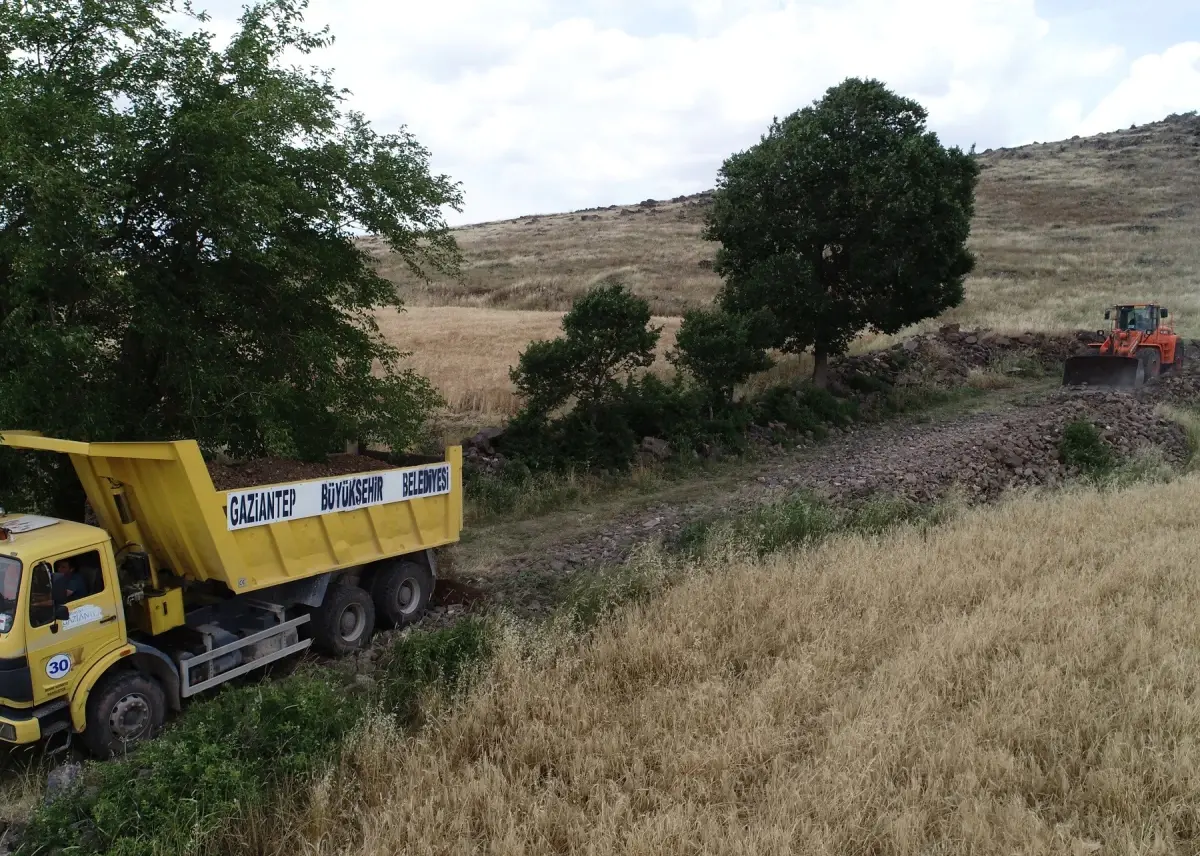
[{"x": 542, "y": 106}]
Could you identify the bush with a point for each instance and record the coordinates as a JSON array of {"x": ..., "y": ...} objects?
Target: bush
[
  {"x": 606, "y": 336},
  {"x": 867, "y": 384},
  {"x": 1082, "y": 446},
  {"x": 808, "y": 409},
  {"x": 180, "y": 790},
  {"x": 444, "y": 659},
  {"x": 720, "y": 350}
]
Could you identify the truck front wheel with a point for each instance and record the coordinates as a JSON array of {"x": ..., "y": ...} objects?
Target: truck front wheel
[
  {"x": 123, "y": 709},
  {"x": 344, "y": 621},
  {"x": 401, "y": 592}
]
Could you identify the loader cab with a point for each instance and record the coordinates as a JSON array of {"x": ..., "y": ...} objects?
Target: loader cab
[
  {"x": 60, "y": 609},
  {"x": 1142, "y": 318}
]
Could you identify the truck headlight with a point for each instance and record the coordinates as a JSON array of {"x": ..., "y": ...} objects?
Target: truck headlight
[{"x": 8, "y": 732}]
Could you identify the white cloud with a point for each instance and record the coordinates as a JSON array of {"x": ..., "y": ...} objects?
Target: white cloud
[
  {"x": 1157, "y": 85},
  {"x": 536, "y": 107}
]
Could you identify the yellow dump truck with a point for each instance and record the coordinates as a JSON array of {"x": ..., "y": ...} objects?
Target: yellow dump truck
[{"x": 183, "y": 587}]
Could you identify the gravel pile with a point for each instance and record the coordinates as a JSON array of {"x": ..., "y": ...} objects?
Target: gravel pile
[
  {"x": 947, "y": 357},
  {"x": 265, "y": 471},
  {"x": 988, "y": 456}
]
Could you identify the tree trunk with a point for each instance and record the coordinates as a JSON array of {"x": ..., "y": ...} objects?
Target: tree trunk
[{"x": 820, "y": 376}]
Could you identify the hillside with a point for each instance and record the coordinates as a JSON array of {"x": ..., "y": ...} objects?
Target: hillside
[{"x": 1061, "y": 229}]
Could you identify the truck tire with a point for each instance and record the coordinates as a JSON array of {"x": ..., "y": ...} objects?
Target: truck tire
[
  {"x": 401, "y": 592},
  {"x": 123, "y": 709},
  {"x": 344, "y": 621}
]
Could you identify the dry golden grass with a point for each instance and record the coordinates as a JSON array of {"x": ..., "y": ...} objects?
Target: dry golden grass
[
  {"x": 1017, "y": 681},
  {"x": 543, "y": 263},
  {"x": 1061, "y": 230},
  {"x": 467, "y": 351}
]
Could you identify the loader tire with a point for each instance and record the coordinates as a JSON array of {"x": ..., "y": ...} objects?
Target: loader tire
[
  {"x": 123, "y": 710},
  {"x": 344, "y": 621},
  {"x": 1151, "y": 360},
  {"x": 401, "y": 593}
]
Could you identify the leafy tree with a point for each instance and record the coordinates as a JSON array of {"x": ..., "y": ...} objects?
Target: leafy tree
[
  {"x": 721, "y": 350},
  {"x": 847, "y": 215},
  {"x": 177, "y": 221},
  {"x": 607, "y": 335},
  {"x": 578, "y": 388}
]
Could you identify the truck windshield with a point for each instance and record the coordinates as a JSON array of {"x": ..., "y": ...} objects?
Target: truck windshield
[{"x": 10, "y": 588}]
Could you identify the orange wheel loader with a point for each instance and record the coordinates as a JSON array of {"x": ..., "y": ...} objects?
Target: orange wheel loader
[{"x": 1139, "y": 346}]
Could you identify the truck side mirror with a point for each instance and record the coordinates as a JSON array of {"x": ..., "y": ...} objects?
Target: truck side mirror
[
  {"x": 61, "y": 613},
  {"x": 1107, "y": 315},
  {"x": 1163, "y": 313}
]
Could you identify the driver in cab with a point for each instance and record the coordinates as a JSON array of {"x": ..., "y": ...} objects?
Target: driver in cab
[{"x": 68, "y": 582}]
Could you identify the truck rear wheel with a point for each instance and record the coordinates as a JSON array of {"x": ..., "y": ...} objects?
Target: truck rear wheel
[
  {"x": 401, "y": 592},
  {"x": 344, "y": 621},
  {"x": 123, "y": 709}
]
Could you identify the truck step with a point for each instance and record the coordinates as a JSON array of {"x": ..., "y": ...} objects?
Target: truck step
[{"x": 51, "y": 731}]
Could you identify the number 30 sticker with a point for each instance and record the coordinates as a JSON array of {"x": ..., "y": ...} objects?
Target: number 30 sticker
[{"x": 58, "y": 666}]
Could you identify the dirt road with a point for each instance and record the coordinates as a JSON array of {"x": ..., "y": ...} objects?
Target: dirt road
[{"x": 1008, "y": 441}]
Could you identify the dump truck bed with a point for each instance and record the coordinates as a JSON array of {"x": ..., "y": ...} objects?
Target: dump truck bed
[{"x": 261, "y": 536}]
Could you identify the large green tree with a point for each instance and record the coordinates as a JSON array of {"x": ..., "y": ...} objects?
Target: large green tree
[
  {"x": 177, "y": 224},
  {"x": 848, "y": 215}
]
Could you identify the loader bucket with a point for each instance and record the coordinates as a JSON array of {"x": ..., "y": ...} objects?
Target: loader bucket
[{"x": 1096, "y": 370}]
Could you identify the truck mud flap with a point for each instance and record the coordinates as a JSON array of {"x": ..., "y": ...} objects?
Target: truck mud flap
[{"x": 1109, "y": 371}]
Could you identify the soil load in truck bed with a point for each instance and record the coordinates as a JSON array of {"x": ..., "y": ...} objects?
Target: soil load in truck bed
[{"x": 262, "y": 471}]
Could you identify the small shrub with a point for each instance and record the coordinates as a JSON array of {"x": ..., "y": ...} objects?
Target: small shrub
[
  {"x": 877, "y": 516},
  {"x": 606, "y": 336},
  {"x": 808, "y": 409},
  {"x": 782, "y": 404},
  {"x": 840, "y": 412},
  {"x": 594, "y": 596},
  {"x": 921, "y": 397},
  {"x": 867, "y": 384},
  {"x": 799, "y": 520},
  {"x": 517, "y": 490},
  {"x": 721, "y": 350},
  {"x": 1145, "y": 466},
  {"x": 1189, "y": 418},
  {"x": 986, "y": 379},
  {"x": 444, "y": 658},
  {"x": 1082, "y": 446},
  {"x": 1023, "y": 365}
]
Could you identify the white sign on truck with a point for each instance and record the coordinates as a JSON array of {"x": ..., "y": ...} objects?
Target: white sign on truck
[{"x": 262, "y": 506}]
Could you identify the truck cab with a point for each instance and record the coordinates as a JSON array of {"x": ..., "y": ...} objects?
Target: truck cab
[{"x": 61, "y": 616}]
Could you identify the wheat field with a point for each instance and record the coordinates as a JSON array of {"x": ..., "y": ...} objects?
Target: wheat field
[
  {"x": 1061, "y": 230},
  {"x": 467, "y": 351},
  {"x": 1016, "y": 681}
]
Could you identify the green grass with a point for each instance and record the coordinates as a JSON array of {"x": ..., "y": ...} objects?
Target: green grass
[
  {"x": 1084, "y": 447},
  {"x": 802, "y": 520},
  {"x": 235, "y": 755}
]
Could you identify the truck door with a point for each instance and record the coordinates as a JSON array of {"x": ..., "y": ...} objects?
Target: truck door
[{"x": 60, "y": 651}]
